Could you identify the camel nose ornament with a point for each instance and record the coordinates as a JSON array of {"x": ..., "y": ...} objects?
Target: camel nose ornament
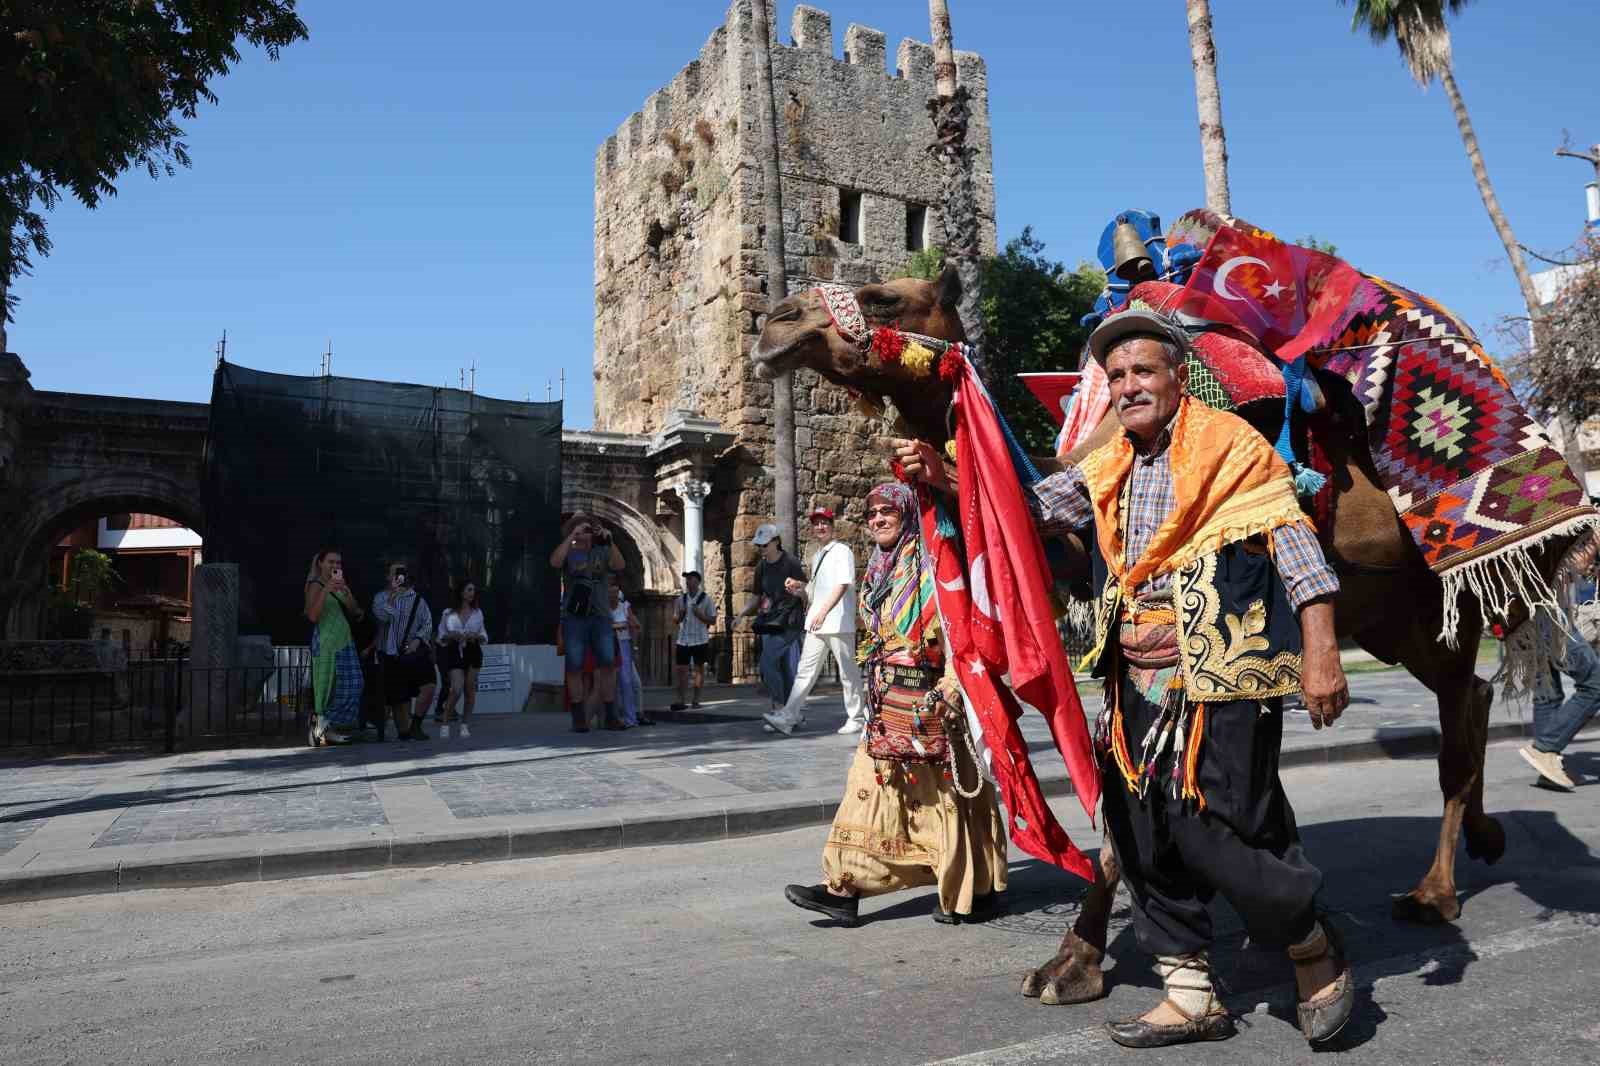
[{"x": 1130, "y": 258}]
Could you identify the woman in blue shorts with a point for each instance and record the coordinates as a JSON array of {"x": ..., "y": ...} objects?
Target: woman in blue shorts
[{"x": 587, "y": 557}]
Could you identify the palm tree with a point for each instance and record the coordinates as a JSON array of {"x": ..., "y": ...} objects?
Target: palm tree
[
  {"x": 777, "y": 279},
  {"x": 951, "y": 116},
  {"x": 1419, "y": 28},
  {"x": 1208, "y": 101}
]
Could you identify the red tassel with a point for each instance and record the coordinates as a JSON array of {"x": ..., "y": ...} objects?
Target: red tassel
[{"x": 888, "y": 344}]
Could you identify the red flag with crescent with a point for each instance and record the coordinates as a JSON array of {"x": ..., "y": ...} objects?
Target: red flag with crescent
[
  {"x": 1285, "y": 295},
  {"x": 993, "y": 594}
]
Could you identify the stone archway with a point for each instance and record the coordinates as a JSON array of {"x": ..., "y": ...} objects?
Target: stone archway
[{"x": 51, "y": 514}]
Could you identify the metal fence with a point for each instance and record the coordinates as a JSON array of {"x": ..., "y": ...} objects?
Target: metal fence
[{"x": 157, "y": 702}]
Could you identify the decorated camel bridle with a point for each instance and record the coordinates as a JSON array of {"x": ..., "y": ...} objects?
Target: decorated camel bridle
[{"x": 916, "y": 352}]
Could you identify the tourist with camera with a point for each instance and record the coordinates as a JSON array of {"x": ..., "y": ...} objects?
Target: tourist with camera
[
  {"x": 588, "y": 558},
  {"x": 694, "y": 612},
  {"x": 780, "y": 614},
  {"x": 406, "y": 651}
]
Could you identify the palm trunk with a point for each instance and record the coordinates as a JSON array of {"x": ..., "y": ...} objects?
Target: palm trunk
[
  {"x": 784, "y": 505},
  {"x": 951, "y": 116},
  {"x": 1208, "y": 101},
  {"x": 1502, "y": 227}
]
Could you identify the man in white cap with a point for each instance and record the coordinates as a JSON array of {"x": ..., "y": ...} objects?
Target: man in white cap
[
  {"x": 780, "y": 614},
  {"x": 830, "y": 629}
]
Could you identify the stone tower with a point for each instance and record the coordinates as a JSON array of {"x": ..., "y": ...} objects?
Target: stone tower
[{"x": 680, "y": 280}]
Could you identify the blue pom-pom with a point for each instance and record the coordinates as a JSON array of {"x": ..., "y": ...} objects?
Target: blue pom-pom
[{"x": 1307, "y": 482}]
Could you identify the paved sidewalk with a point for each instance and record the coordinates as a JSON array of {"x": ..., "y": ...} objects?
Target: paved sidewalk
[{"x": 522, "y": 786}]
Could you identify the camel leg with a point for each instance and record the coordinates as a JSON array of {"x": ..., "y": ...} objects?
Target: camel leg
[
  {"x": 1073, "y": 975},
  {"x": 1464, "y": 701}
]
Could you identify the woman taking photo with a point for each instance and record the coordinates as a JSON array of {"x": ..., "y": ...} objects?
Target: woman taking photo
[
  {"x": 916, "y": 809},
  {"x": 461, "y": 641},
  {"x": 335, "y": 663}
]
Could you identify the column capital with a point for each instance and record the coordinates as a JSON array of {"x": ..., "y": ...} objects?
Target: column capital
[{"x": 693, "y": 492}]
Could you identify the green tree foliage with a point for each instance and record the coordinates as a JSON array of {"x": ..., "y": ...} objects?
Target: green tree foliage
[
  {"x": 1325, "y": 247},
  {"x": 93, "y": 88},
  {"x": 1032, "y": 305},
  {"x": 92, "y": 572}
]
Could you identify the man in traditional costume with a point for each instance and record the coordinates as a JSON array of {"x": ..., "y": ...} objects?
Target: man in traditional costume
[
  {"x": 1203, "y": 564},
  {"x": 916, "y": 809}
]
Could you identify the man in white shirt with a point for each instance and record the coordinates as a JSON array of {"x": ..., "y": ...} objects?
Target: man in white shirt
[
  {"x": 830, "y": 629},
  {"x": 694, "y": 612}
]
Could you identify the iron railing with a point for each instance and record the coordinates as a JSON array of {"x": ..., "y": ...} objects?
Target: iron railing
[{"x": 157, "y": 702}]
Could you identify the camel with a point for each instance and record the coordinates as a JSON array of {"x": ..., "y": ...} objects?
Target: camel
[{"x": 1377, "y": 562}]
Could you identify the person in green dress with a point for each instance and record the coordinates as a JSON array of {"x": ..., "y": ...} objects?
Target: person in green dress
[{"x": 335, "y": 663}]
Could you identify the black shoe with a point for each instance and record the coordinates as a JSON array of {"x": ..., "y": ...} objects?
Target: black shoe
[
  {"x": 616, "y": 725},
  {"x": 1138, "y": 1033},
  {"x": 418, "y": 734},
  {"x": 679, "y": 707},
  {"x": 984, "y": 907},
  {"x": 841, "y": 909},
  {"x": 645, "y": 719},
  {"x": 401, "y": 736}
]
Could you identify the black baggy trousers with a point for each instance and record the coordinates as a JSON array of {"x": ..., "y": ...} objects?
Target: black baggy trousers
[{"x": 1244, "y": 844}]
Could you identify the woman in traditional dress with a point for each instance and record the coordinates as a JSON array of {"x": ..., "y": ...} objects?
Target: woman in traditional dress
[
  {"x": 916, "y": 809},
  {"x": 335, "y": 663}
]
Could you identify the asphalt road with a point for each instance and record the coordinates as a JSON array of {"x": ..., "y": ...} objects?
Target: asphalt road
[{"x": 689, "y": 954}]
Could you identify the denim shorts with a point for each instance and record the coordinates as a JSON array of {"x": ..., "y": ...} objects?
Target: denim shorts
[{"x": 586, "y": 633}]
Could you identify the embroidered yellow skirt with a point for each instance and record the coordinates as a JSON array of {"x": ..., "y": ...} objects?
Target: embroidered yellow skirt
[{"x": 905, "y": 833}]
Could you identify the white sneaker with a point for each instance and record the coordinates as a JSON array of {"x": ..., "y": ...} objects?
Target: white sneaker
[
  {"x": 849, "y": 727},
  {"x": 444, "y": 732},
  {"x": 779, "y": 723},
  {"x": 466, "y": 734},
  {"x": 1548, "y": 763}
]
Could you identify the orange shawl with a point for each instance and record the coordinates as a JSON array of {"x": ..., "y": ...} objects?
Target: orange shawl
[{"x": 1228, "y": 483}]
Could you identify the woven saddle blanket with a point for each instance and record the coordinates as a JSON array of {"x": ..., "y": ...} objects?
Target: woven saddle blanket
[{"x": 1474, "y": 477}]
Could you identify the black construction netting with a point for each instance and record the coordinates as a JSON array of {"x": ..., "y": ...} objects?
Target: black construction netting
[{"x": 455, "y": 484}]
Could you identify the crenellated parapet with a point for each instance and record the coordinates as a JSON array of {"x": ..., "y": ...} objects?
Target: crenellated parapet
[{"x": 681, "y": 280}]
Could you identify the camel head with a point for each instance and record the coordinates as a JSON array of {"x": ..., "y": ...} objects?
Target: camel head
[{"x": 802, "y": 331}]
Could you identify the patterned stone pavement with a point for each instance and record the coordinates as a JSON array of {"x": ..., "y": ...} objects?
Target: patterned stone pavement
[{"x": 518, "y": 766}]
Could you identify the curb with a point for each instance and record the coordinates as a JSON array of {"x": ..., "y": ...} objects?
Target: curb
[{"x": 709, "y": 820}]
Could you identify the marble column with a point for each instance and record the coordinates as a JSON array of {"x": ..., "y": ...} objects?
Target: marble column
[{"x": 693, "y": 494}]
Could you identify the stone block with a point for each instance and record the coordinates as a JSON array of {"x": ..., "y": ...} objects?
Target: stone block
[
  {"x": 812, "y": 29},
  {"x": 914, "y": 61},
  {"x": 864, "y": 47}
]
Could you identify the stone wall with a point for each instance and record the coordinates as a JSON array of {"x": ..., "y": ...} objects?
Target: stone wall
[{"x": 680, "y": 282}]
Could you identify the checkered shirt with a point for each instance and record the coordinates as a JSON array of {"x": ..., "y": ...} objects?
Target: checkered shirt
[{"x": 1060, "y": 504}]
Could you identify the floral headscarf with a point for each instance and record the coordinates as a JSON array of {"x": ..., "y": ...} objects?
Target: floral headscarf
[{"x": 880, "y": 566}]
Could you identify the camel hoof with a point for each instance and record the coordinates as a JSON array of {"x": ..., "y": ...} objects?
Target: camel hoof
[
  {"x": 1486, "y": 839},
  {"x": 1413, "y": 908},
  {"x": 1080, "y": 986},
  {"x": 1033, "y": 983}
]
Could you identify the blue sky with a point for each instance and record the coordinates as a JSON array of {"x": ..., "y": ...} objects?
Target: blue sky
[{"x": 415, "y": 181}]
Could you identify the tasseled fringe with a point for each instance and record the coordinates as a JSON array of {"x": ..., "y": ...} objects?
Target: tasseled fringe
[
  {"x": 1078, "y": 621},
  {"x": 1504, "y": 577},
  {"x": 1191, "y": 758},
  {"x": 1530, "y": 652},
  {"x": 1308, "y": 482}
]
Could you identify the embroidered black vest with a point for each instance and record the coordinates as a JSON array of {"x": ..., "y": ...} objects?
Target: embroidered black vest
[{"x": 1238, "y": 637}]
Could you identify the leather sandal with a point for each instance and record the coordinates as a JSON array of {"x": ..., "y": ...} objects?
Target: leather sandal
[
  {"x": 1215, "y": 1024},
  {"x": 1323, "y": 1015}
]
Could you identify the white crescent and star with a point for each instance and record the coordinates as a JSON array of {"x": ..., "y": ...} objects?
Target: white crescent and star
[{"x": 1219, "y": 283}]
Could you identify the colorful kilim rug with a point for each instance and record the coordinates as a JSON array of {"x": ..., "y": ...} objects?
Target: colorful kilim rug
[{"x": 1474, "y": 477}]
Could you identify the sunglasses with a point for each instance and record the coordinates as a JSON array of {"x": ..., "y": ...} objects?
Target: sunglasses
[{"x": 883, "y": 512}]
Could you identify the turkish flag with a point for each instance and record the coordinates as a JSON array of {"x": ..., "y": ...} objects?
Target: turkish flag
[
  {"x": 993, "y": 594},
  {"x": 1284, "y": 295}
]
